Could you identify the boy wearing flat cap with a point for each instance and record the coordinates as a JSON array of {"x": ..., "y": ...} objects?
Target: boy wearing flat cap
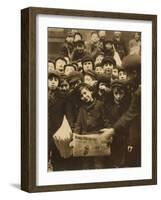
[
  {"x": 72, "y": 102},
  {"x": 56, "y": 103},
  {"x": 117, "y": 105},
  {"x": 87, "y": 63},
  {"x": 108, "y": 63},
  {"x": 90, "y": 78},
  {"x": 79, "y": 51},
  {"x": 131, "y": 119}
]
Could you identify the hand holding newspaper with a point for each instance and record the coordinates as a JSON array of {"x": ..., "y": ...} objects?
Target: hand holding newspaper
[{"x": 68, "y": 144}]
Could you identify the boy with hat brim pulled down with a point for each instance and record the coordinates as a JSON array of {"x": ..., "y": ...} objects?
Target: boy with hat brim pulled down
[
  {"x": 116, "y": 106},
  {"x": 132, "y": 117}
]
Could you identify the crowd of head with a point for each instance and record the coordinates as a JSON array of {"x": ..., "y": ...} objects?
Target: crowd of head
[
  {"x": 97, "y": 62},
  {"x": 93, "y": 84}
]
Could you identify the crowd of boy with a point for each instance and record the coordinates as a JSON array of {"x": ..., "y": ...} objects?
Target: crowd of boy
[{"x": 97, "y": 86}]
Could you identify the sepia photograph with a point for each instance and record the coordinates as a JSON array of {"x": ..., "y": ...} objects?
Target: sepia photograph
[
  {"x": 94, "y": 99},
  {"x": 89, "y": 83}
]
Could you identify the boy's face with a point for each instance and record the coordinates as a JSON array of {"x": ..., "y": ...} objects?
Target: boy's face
[
  {"x": 122, "y": 75},
  {"x": 102, "y": 34},
  {"x": 80, "y": 48},
  {"x": 88, "y": 65},
  {"x": 69, "y": 39},
  {"x": 99, "y": 70},
  {"x": 108, "y": 46},
  {"x": 94, "y": 38},
  {"x": 59, "y": 65},
  {"x": 108, "y": 67},
  {"x": 86, "y": 95},
  {"x": 50, "y": 67},
  {"x": 69, "y": 69},
  {"x": 53, "y": 83},
  {"x": 99, "y": 59},
  {"x": 77, "y": 37},
  {"x": 118, "y": 94},
  {"x": 64, "y": 87},
  {"x": 117, "y": 34},
  {"x": 89, "y": 80},
  {"x": 115, "y": 72},
  {"x": 137, "y": 36}
]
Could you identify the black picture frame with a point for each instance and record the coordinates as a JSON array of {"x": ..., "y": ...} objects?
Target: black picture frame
[{"x": 28, "y": 98}]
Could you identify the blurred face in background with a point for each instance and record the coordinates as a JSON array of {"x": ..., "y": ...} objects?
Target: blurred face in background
[
  {"x": 102, "y": 34},
  {"x": 108, "y": 67},
  {"x": 117, "y": 35},
  {"x": 53, "y": 82},
  {"x": 69, "y": 69},
  {"x": 122, "y": 75},
  {"x": 59, "y": 65},
  {"x": 118, "y": 94},
  {"x": 94, "y": 37},
  {"x": 99, "y": 70},
  {"x": 89, "y": 80},
  {"x": 69, "y": 39},
  {"x": 51, "y": 66},
  {"x": 77, "y": 37},
  {"x": 137, "y": 36},
  {"x": 80, "y": 48},
  {"x": 64, "y": 87},
  {"x": 87, "y": 65},
  {"x": 115, "y": 73}
]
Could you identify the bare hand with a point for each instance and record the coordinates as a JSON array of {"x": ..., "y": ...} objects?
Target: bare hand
[{"x": 107, "y": 133}]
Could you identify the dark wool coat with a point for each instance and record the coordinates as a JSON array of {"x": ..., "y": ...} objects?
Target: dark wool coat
[
  {"x": 90, "y": 118},
  {"x": 132, "y": 119},
  {"x": 56, "y": 105},
  {"x": 113, "y": 113}
]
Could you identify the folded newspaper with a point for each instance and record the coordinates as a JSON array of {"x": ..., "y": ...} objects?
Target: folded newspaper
[
  {"x": 76, "y": 145},
  {"x": 90, "y": 145}
]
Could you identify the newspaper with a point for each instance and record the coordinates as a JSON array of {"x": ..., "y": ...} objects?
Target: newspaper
[{"x": 90, "y": 145}]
